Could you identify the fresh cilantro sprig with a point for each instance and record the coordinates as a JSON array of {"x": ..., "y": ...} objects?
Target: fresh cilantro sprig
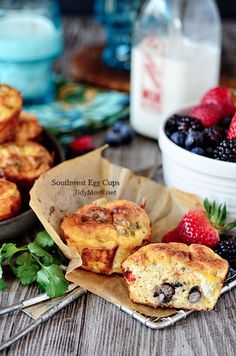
[{"x": 38, "y": 262}]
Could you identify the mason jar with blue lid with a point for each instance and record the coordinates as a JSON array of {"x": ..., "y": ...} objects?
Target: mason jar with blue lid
[{"x": 30, "y": 39}]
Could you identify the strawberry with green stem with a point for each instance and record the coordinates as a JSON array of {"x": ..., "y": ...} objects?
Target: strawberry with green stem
[{"x": 201, "y": 226}]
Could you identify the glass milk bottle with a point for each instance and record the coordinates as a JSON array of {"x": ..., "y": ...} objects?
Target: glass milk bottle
[{"x": 175, "y": 59}]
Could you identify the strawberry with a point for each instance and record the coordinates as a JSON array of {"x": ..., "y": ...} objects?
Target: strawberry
[
  {"x": 223, "y": 98},
  {"x": 171, "y": 236},
  {"x": 207, "y": 114},
  {"x": 201, "y": 226},
  {"x": 195, "y": 228},
  {"x": 232, "y": 128}
]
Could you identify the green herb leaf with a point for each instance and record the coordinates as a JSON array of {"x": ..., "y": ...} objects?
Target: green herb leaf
[
  {"x": 44, "y": 240},
  {"x": 1, "y": 260},
  {"x": 35, "y": 249},
  {"x": 10, "y": 250},
  {"x": 24, "y": 258},
  {"x": 34, "y": 263},
  {"x": 27, "y": 268},
  {"x": 2, "y": 285},
  {"x": 52, "y": 280}
]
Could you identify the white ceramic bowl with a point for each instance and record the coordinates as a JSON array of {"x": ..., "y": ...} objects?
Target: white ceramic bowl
[{"x": 209, "y": 178}]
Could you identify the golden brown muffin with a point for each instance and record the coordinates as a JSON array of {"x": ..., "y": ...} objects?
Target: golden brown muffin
[
  {"x": 10, "y": 106},
  {"x": 107, "y": 232},
  {"x": 27, "y": 128},
  {"x": 10, "y": 200},
  {"x": 24, "y": 163},
  {"x": 175, "y": 275}
]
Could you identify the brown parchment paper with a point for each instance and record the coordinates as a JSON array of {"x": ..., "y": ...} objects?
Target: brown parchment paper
[{"x": 51, "y": 202}]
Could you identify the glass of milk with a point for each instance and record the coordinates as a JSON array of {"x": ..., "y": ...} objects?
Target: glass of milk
[
  {"x": 30, "y": 39},
  {"x": 175, "y": 59}
]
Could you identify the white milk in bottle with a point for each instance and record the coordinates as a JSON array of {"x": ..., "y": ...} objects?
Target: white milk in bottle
[{"x": 174, "y": 60}]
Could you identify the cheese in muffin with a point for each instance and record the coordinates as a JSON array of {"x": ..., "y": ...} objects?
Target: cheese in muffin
[
  {"x": 24, "y": 163},
  {"x": 10, "y": 200},
  {"x": 106, "y": 233},
  {"x": 175, "y": 275}
]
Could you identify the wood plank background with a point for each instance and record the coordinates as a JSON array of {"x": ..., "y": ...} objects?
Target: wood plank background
[{"x": 92, "y": 326}]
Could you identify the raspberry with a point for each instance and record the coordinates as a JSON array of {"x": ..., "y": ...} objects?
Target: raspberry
[{"x": 82, "y": 144}]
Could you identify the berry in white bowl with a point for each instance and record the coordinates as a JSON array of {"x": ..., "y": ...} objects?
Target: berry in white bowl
[{"x": 200, "y": 158}]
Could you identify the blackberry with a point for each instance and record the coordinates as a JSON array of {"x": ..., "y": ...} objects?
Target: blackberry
[
  {"x": 187, "y": 123},
  {"x": 183, "y": 124},
  {"x": 226, "y": 150},
  {"x": 171, "y": 125},
  {"x": 214, "y": 134},
  {"x": 227, "y": 250}
]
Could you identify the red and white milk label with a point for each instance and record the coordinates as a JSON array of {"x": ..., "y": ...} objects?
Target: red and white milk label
[
  {"x": 161, "y": 84},
  {"x": 151, "y": 93}
]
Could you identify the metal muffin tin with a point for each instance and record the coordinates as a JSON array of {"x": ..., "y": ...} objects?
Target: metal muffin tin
[{"x": 23, "y": 222}]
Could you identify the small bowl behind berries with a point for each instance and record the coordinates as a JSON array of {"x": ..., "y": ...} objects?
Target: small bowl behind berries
[{"x": 194, "y": 169}]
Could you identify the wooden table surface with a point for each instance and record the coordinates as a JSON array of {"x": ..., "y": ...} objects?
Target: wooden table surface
[{"x": 92, "y": 326}]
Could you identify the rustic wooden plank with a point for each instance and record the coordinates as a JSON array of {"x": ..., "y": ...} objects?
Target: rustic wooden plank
[
  {"x": 141, "y": 153},
  {"x": 92, "y": 326},
  {"x": 120, "y": 335},
  {"x": 48, "y": 337}
]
